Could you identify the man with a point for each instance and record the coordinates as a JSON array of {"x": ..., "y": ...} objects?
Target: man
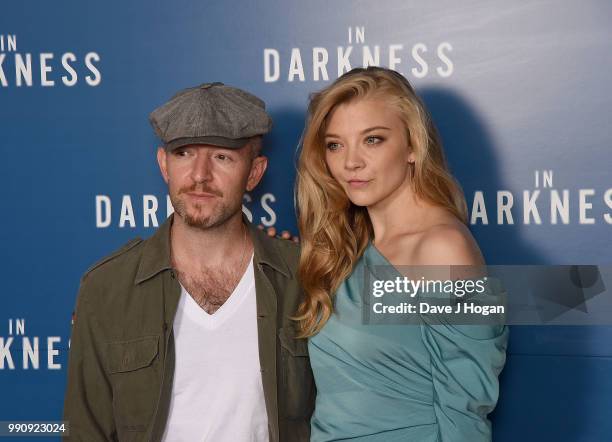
[{"x": 187, "y": 336}]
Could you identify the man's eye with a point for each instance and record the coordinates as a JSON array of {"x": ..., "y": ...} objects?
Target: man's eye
[
  {"x": 333, "y": 146},
  {"x": 372, "y": 139},
  {"x": 223, "y": 157},
  {"x": 180, "y": 153}
]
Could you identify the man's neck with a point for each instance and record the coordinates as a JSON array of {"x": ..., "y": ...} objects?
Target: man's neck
[{"x": 198, "y": 248}]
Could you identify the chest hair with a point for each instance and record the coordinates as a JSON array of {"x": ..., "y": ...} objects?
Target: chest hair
[{"x": 210, "y": 288}]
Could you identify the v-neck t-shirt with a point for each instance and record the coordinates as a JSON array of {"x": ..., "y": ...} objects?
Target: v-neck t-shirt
[{"x": 217, "y": 391}]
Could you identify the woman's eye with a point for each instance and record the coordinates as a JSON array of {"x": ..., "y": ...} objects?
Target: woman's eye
[
  {"x": 333, "y": 146},
  {"x": 373, "y": 140}
]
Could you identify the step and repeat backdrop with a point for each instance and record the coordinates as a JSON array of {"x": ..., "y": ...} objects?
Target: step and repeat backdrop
[{"x": 520, "y": 92}]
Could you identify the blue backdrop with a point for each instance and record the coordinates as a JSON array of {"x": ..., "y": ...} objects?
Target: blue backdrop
[{"x": 519, "y": 90}]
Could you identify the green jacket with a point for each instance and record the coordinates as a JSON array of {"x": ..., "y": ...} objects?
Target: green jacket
[{"x": 122, "y": 348}]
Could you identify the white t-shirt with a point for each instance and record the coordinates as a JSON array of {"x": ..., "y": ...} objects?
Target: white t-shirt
[{"x": 217, "y": 391}]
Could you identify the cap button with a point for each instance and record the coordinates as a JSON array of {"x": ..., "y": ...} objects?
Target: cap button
[{"x": 209, "y": 85}]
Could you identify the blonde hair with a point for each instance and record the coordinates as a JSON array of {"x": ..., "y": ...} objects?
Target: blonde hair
[{"x": 334, "y": 232}]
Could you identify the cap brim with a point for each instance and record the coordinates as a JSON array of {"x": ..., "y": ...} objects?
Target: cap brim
[{"x": 211, "y": 141}]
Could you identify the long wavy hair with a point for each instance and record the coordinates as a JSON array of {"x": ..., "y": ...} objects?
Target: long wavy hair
[{"x": 334, "y": 232}]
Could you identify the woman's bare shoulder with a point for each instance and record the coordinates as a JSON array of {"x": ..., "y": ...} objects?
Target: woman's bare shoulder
[{"x": 447, "y": 243}]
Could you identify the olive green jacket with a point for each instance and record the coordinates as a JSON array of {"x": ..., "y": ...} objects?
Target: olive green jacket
[{"x": 122, "y": 347}]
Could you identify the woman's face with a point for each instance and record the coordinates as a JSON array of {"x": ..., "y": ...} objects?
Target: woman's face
[{"x": 367, "y": 150}]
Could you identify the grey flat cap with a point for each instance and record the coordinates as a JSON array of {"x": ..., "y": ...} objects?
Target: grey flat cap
[{"x": 211, "y": 113}]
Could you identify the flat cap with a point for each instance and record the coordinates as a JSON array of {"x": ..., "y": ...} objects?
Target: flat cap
[{"x": 211, "y": 113}]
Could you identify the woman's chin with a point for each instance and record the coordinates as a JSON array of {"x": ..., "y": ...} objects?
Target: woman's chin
[{"x": 362, "y": 200}]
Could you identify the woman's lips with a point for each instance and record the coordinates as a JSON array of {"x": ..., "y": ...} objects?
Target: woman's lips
[{"x": 358, "y": 184}]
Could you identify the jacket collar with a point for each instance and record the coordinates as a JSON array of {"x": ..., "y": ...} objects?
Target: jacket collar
[
  {"x": 156, "y": 252},
  {"x": 265, "y": 250}
]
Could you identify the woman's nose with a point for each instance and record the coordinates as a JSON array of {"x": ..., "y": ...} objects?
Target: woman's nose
[{"x": 353, "y": 158}]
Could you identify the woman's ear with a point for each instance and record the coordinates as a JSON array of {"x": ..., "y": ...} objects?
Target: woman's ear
[{"x": 411, "y": 156}]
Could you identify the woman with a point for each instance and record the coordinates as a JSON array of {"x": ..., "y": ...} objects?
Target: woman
[{"x": 374, "y": 189}]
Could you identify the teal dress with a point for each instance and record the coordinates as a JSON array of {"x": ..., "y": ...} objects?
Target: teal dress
[{"x": 415, "y": 383}]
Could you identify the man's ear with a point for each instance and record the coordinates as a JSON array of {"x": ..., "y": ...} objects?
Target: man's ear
[
  {"x": 162, "y": 158},
  {"x": 258, "y": 167}
]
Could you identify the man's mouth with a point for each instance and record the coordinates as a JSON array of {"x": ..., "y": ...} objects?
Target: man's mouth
[{"x": 201, "y": 195}]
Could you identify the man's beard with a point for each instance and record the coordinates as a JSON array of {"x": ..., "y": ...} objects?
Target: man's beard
[{"x": 220, "y": 214}]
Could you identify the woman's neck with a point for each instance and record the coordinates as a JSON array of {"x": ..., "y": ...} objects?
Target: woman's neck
[{"x": 401, "y": 212}]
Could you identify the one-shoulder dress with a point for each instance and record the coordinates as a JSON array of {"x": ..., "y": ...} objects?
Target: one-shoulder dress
[{"x": 387, "y": 383}]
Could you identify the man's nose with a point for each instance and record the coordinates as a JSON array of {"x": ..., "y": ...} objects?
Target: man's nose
[{"x": 201, "y": 168}]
